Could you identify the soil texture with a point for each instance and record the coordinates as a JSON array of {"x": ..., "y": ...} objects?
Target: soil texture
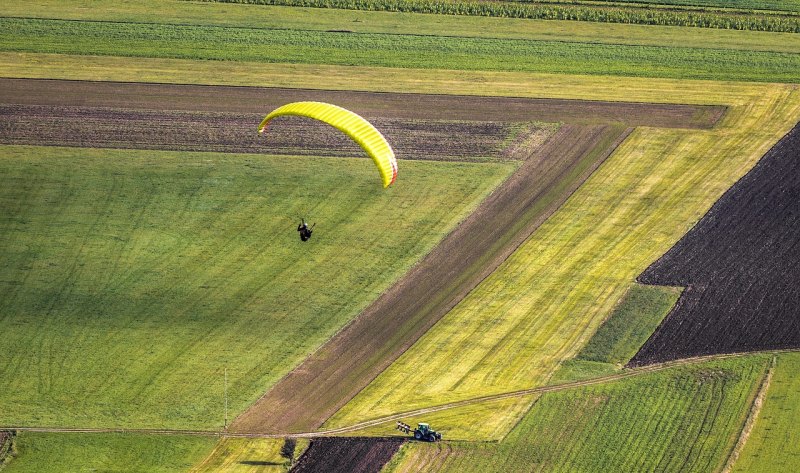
[
  {"x": 741, "y": 267},
  {"x": 347, "y": 455}
]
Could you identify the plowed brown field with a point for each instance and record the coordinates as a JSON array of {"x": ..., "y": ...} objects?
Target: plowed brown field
[
  {"x": 347, "y": 455},
  {"x": 741, "y": 267},
  {"x": 386, "y": 105}
]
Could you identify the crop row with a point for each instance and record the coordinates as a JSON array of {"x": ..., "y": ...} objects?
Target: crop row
[
  {"x": 101, "y": 127},
  {"x": 771, "y": 5},
  {"x": 681, "y": 419},
  {"x": 390, "y": 50},
  {"x": 607, "y": 14}
]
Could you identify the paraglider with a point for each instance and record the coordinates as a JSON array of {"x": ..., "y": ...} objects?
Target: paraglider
[
  {"x": 357, "y": 128},
  {"x": 305, "y": 230}
]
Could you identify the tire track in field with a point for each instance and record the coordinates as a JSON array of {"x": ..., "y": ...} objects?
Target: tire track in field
[{"x": 626, "y": 373}]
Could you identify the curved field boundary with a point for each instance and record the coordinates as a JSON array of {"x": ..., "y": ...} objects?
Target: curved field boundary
[{"x": 376, "y": 104}]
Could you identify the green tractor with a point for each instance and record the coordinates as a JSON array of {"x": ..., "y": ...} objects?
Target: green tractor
[{"x": 422, "y": 432}]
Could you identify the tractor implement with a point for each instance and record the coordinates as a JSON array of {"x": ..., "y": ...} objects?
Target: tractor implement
[{"x": 422, "y": 432}]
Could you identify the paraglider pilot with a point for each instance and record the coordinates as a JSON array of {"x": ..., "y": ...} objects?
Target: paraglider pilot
[{"x": 305, "y": 230}]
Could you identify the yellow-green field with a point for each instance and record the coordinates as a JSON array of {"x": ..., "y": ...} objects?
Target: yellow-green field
[
  {"x": 242, "y": 455},
  {"x": 543, "y": 304}
]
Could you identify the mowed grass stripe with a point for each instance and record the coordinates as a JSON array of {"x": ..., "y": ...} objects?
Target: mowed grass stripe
[
  {"x": 291, "y": 18},
  {"x": 133, "y": 279},
  {"x": 681, "y": 419},
  {"x": 388, "y": 50},
  {"x": 542, "y": 305}
]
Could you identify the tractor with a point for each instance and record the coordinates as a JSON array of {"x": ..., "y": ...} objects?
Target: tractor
[{"x": 422, "y": 432}]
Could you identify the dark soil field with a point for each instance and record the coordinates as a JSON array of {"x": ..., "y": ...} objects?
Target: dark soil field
[
  {"x": 105, "y": 127},
  {"x": 741, "y": 267},
  {"x": 347, "y": 455},
  {"x": 260, "y": 101}
]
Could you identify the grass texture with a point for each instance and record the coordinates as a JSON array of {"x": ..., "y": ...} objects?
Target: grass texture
[
  {"x": 577, "y": 265},
  {"x": 580, "y": 11},
  {"x": 243, "y": 455},
  {"x": 682, "y": 419},
  {"x": 180, "y": 12},
  {"x": 118, "y": 453},
  {"x": 630, "y": 324},
  {"x": 390, "y": 50},
  {"x": 133, "y": 279},
  {"x": 774, "y": 443}
]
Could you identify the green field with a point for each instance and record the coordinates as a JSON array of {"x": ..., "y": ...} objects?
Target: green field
[
  {"x": 648, "y": 14},
  {"x": 621, "y": 335},
  {"x": 133, "y": 279},
  {"x": 579, "y": 263},
  {"x": 287, "y": 18},
  {"x": 119, "y": 453},
  {"x": 772, "y": 5},
  {"x": 774, "y": 443},
  {"x": 681, "y": 419},
  {"x": 221, "y": 43},
  {"x": 630, "y": 325}
]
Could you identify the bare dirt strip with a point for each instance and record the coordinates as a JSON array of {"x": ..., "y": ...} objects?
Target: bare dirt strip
[
  {"x": 333, "y": 375},
  {"x": 231, "y": 132},
  {"x": 324, "y": 382},
  {"x": 741, "y": 267},
  {"x": 347, "y": 455},
  {"x": 260, "y": 100}
]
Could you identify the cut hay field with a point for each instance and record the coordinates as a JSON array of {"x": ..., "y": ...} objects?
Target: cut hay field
[
  {"x": 242, "y": 455},
  {"x": 681, "y": 419},
  {"x": 132, "y": 279},
  {"x": 222, "y": 43},
  {"x": 577, "y": 265}
]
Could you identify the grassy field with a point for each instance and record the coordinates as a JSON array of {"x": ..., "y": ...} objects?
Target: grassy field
[
  {"x": 681, "y": 419},
  {"x": 774, "y": 443},
  {"x": 562, "y": 10},
  {"x": 629, "y": 326},
  {"x": 129, "y": 453},
  {"x": 133, "y": 279},
  {"x": 390, "y": 50},
  {"x": 577, "y": 265},
  {"x": 288, "y": 18},
  {"x": 239, "y": 455},
  {"x": 621, "y": 335}
]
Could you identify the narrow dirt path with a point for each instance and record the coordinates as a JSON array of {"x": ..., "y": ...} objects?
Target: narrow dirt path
[{"x": 750, "y": 422}]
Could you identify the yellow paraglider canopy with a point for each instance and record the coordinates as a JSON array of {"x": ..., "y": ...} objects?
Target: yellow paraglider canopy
[{"x": 360, "y": 130}]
